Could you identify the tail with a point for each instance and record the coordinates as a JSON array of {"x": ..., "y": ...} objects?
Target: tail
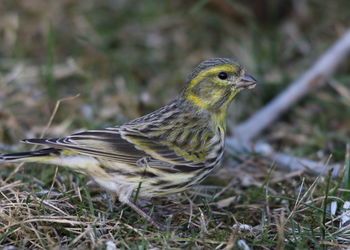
[
  {"x": 81, "y": 163},
  {"x": 33, "y": 156}
]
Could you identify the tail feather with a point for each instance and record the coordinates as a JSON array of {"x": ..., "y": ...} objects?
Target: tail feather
[
  {"x": 35, "y": 141},
  {"x": 24, "y": 155}
]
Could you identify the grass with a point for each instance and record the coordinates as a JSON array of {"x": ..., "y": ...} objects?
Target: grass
[
  {"x": 265, "y": 210},
  {"x": 127, "y": 58}
]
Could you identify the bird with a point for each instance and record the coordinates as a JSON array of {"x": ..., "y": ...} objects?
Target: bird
[{"x": 164, "y": 152}]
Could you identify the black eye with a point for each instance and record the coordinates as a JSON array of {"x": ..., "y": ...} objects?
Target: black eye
[{"x": 222, "y": 75}]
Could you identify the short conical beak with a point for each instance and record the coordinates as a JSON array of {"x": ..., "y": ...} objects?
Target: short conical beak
[{"x": 247, "y": 81}]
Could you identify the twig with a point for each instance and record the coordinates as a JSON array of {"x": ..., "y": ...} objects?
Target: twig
[
  {"x": 315, "y": 77},
  {"x": 292, "y": 163},
  {"x": 311, "y": 79}
]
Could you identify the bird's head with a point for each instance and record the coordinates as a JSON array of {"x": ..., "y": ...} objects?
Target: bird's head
[{"x": 215, "y": 82}]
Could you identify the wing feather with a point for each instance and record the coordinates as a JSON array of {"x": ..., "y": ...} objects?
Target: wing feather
[
  {"x": 99, "y": 143},
  {"x": 121, "y": 145}
]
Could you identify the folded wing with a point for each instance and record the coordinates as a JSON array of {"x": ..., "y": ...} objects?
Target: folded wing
[{"x": 121, "y": 145}]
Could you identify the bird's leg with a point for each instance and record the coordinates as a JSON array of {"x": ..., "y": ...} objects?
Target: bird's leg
[
  {"x": 143, "y": 163},
  {"x": 144, "y": 215}
]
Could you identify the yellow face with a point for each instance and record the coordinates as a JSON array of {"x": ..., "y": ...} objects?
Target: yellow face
[{"x": 215, "y": 82}]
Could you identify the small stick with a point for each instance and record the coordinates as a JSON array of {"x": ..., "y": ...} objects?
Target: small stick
[
  {"x": 315, "y": 77},
  {"x": 282, "y": 159}
]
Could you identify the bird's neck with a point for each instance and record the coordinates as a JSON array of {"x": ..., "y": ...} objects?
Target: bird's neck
[
  {"x": 218, "y": 113},
  {"x": 216, "y": 104}
]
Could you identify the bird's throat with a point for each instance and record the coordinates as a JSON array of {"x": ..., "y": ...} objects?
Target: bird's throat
[{"x": 216, "y": 105}]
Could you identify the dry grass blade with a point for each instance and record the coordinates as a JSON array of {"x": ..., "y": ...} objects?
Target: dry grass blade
[
  {"x": 57, "y": 105},
  {"x": 54, "y": 112}
]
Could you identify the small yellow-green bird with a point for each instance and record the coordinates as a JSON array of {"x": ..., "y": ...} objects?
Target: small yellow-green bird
[{"x": 164, "y": 152}]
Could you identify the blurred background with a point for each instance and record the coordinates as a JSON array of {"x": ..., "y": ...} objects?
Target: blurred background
[{"x": 126, "y": 58}]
